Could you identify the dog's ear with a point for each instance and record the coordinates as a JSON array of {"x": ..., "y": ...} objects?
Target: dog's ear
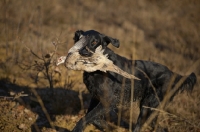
[
  {"x": 77, "y": 35},
  {"x": 114, "y": 42}
]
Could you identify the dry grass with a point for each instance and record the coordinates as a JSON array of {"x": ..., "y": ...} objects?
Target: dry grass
[{"x": 163, "y": 31}]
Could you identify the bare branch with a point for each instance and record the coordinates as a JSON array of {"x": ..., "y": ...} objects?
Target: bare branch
[{"x": 33, "y": 53}]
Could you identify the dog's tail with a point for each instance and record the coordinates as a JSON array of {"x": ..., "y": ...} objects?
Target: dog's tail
[{"x": 187, "y": 84}]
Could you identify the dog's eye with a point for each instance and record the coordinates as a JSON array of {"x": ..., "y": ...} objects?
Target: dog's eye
[{"x": 94, "y": 43}]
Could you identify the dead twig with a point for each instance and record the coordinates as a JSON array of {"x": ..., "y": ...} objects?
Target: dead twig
[{"x": 173, "y": 115}]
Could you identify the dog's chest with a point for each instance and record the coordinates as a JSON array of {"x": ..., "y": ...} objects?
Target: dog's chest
[
  {"x": 96, "y": 81},
  {"x": 105, "y": 87}
]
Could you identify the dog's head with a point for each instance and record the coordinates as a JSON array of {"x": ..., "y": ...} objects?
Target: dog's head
[{"x": 93, "y": 40}]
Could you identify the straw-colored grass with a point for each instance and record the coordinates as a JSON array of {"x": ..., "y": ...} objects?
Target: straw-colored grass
[{"x": 163, "y": 31}]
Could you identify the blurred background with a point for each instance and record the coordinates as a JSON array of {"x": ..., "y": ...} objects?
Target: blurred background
[{"x": 166, "y": 32}]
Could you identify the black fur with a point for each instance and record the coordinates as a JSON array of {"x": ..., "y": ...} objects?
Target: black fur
[{"x": 106, "y": 88}]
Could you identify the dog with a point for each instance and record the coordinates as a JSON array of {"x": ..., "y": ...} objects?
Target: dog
[{"x": 106, "y": 88}]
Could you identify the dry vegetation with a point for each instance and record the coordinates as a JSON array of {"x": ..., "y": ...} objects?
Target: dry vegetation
[{"x": 163, "y": 31}]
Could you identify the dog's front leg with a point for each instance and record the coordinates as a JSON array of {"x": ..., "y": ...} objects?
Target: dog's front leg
[{"x": 92, "y": 117}]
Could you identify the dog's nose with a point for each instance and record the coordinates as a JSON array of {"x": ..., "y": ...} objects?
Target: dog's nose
[{"x": 85, "y": 52}]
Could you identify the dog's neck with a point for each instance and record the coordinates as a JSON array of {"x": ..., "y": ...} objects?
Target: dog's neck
[{"x": 117, "y": 59}]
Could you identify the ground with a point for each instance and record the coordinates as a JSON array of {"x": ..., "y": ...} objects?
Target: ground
[{"x": 166, "y": 32}]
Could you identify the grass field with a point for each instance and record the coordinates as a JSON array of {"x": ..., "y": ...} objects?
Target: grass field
[{"x": 166, "y": 32}]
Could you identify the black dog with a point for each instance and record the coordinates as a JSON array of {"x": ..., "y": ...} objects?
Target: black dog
[{"x": 106, "y": 88}]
